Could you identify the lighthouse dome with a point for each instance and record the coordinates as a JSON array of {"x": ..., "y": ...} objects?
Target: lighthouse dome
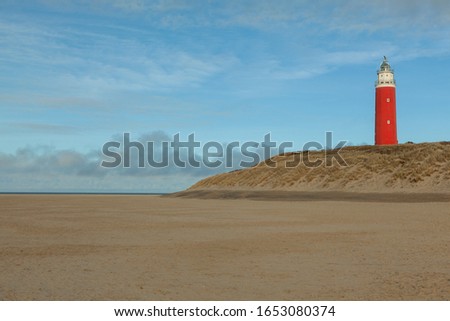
[
  {"x": 385, "y": 65},
  {"x": 385, "y": 75}
]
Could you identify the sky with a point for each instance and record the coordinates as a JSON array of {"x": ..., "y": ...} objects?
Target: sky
[{"x": 75, "y": 75}]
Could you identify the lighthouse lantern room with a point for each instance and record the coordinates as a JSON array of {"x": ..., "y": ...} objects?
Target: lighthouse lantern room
[{"x": 385, "y": 108}]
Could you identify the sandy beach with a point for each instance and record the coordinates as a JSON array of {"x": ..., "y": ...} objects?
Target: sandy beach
[{"x": 112, "y": 247}]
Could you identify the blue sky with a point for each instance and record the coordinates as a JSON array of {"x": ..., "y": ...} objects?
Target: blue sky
[{"x": 75, "y": 74}]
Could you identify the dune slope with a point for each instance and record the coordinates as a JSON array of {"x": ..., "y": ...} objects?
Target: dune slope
[{"x": 422, "y": 168}]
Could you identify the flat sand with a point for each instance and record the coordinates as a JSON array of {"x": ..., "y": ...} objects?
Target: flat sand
[{"x": 110, "y": 247}]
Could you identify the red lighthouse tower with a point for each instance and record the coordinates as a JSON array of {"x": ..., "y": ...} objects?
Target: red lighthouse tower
[{"x": 385, "y": 110}]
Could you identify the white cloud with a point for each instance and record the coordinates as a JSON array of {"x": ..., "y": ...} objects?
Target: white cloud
[
  {"x": 50, "y": 65},
  {"x": 43, "y": 168},
  {"x": 99, "y": 61}
]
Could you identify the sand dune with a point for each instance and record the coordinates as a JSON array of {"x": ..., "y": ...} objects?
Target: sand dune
[{"x": 419, "y": 168}]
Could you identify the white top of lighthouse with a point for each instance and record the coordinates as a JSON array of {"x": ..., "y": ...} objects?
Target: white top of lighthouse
[{"x": 385, "y": 75}]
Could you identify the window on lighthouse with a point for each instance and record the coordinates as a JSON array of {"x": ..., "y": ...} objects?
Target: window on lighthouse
[{"x": 388, "y": 100}]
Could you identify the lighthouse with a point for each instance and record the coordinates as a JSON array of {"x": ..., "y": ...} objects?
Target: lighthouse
[{"x": 385, "y": 110}]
